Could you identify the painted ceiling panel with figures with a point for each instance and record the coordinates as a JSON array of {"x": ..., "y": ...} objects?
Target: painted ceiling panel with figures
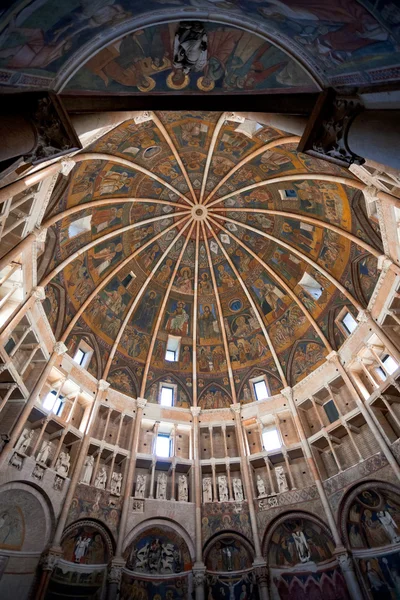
[{"x": 175, "y": 246}]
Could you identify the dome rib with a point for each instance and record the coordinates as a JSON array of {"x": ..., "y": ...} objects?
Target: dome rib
[
  {"x": 214, "y": 138},
  {"x": 303, "y": 256},
  {"x": 140, "y": 294},
  {"x": 273, "y": 144},
  {"x": 161, "y": 310},
  {"x": 280, "y": 282},
  {"x": 220, "y": 317},
  {"x": 253, "y": 306},
  {"x": 110, "y": 276},
  {"x": 195, "y": 308}
]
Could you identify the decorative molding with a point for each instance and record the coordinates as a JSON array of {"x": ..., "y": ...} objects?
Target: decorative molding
[
  {"x": 66, "y": 166},
  {"x": 143, "y": 116},
  {"x": 231, "y": 116}
]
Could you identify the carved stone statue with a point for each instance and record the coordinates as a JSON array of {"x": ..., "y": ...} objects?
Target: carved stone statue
[
  {"x": 183, "y": 493},
  {"x": 207, "y": 489},
  {"x": 24, "y": 441},
  {"x": 44, "y": 452},
  {"x": 237, "y": 489},
  {"x": 261, "y": 486},
  {"x": 63, "y": 463},
  {"x": 101, "y": 479},
  {"x": 140, "y": 486},
  {"x": 223, "y": 489},
  {"x": 87, "y": 470},
  {"x": 281, "y": 479},
  {"x": 161, "y": 493},
  {"x": 116, "y": 483}
]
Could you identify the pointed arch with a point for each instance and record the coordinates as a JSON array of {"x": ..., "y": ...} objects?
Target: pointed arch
[
  {"x": 292, "y": 358},
  {"x": 123, "y": 369},
  {"x": 213, "y": 395}
]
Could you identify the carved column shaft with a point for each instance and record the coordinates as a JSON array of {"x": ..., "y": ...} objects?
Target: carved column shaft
[
  {"x": 101, "y": 392},
  {"x": 140, "y": 404},
  {"x": 288, "y": 393},
  {"x": 23, "y": 417},
  {"x": 198, "y": 485}
]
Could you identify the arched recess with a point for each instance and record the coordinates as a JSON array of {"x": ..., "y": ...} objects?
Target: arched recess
[
  {"x": 95, "y": 366},
  {"x": 335, "y": 335},
  {"x": 299, "y": 550},
  {"x": 172, "y": 537},
  {"x": 182, "y": 396},
  {"x": 214, "y": 396},
  {"x": 369, "y": 518},
  {"x": 87, "y": 541},
  {"x": 54, "y": 306},
  {"x": 239, "y": 558},
  {"x": 26, "y": 516},
  {"x": 364, "y": 272},
  {"x": 274, "y": 383},
  {"x": 123, "y": 379},
  {"x": 312, "y": 355}
]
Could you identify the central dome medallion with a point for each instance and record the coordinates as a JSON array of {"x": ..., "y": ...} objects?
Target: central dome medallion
[{"x": 211, "y": 235}]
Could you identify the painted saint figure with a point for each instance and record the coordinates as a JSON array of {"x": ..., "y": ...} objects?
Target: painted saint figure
[
  {"x": 389, "y": 525},
  {"x": 301, "y": 544}
]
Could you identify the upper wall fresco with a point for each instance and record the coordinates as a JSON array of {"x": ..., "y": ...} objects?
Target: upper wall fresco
[{"x": 43, "y": 44}]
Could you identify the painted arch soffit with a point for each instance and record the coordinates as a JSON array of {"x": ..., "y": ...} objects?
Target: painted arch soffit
[
  {"x": 158, "y": 261},
  {"x": 43, "y": 44}
]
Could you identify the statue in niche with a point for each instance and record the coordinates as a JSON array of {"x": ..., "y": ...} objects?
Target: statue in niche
[
  {"x": 281, "y": 479},
  {"x": 63, "y": 463},
  {"x": 24, "y": 441},
  {"x": 87, "y": 470},
  {"x": 389, "y": 525},
  {"x": 140, "y": 486},
  {"x": 183, "y": 493},
  {"x": 228, "y": 562},
  {"x": 261, "y": 486},
  {"x": 207, "y": 489},
  {"x": 44, "y": 453},
  {"x": 237, "y": 489},
  {"x": 223, "y": 489},
  {"x": 101, "y": 479},
  {"x": 161, "y": 493},
  {"x": 116, "y": 483},
  {"x": 301, "y": 545}
]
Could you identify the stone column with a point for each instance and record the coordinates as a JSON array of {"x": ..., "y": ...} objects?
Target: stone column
[
  {"x": 228, "y": 474},
  {"x": 198, "y": 568},
  {"x": 365, "y": 411},
  {"x": 153, "y": 471},
  {"x": 59, "y": 349},
  {"x": 288, "y": 394},
  {"x": 261, "y": 574},
  {"x": 102, "y": 387},
  {"x": 48, "y": 561},
  {"x": 114, "y": 576},
  {"x": 140, "y": 404},
  {"x": 214, "y": 481},
  {"x": 199, "y": 580},
  {"x": 347, "y": 567},
  {"x": 173, "y": 469},
  {"x": 249, "y": 492}
]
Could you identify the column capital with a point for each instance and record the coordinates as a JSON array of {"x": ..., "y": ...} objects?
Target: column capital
[
  {"x": 60, "y": 348},
  {"x": 195, "y": 410},
  {"x": 364, "y": 316},
  {"x": 287, "y": 392},
  {"x": 332, "y": 356},
  {"x": 67, "y": 164},
  {"x": 232, "y": 116},
  {"x": 50, "y": 558},
  {"x": 115, "y": 570},
  {"x": 384, "y": 263},
  {"x": 260, "y": 571},
  {"x": 199, "y": 574},
  {"x": 102, "y": 385},
  {"x": 236, "y": 408},
  {"x": 141, "y": 402},
  {"x": 370, "y": 193},
  {"x": 39, "y": 293},
  {"x": 40, "y": 234},
  {"x": 345, "y": 560}
]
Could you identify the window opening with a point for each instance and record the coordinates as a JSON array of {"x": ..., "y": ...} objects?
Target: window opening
[
  {"x": 80, "y": 226},
  {"x": 167, "y": 396},
  {"x": 331, "y": 411},
  {"x": 172, "y": 351},
  {"x": 390, "y": 364},
  {"x": 271, "y": 439},
  {"x": 349, "y": 322},
  {"x": 163, "y": 445},
  {"x": 311, "y": 286},
  {"x": 51, "y": 402},
  {"x": 260, "y": 390},
  {"x": 79, "y": 356}
]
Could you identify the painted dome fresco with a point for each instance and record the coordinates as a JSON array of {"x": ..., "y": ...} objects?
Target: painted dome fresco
[{"x": 203, "y": 248}]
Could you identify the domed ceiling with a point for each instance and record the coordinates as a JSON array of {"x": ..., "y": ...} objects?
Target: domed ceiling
[{"x": 183, "y": 241}]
